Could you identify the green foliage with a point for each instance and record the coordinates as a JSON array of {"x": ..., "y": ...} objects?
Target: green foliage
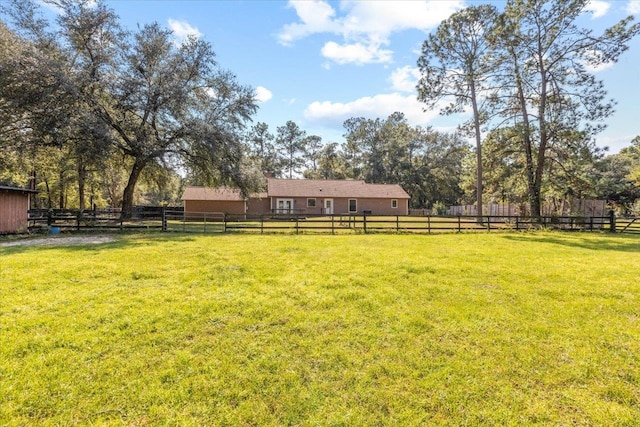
[
  {"x": 572, "y": 168},
  {"x": 322, "y": 330},
  {"x": 314, "y": 150},
  {"x": 619, "y": 177},
  {"x": 93, "y": 89},
  {"x": 532, "y": 64},
  {"x": 262, "y": 150},
  {"x": 548, "y": 90},
  {"x": 427, "y": 164},
  {"x": 332, "y": 164},
  {"x": 458, "y": 63},
  {"x": 440, "y": 208},
  {"x": 291, "y": 141}
]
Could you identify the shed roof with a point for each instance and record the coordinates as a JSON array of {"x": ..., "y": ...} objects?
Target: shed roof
[
  {"x": 333, "y": 188},
  {"x": 16, "y": 189},
  {"x": 219, "y": 194}
]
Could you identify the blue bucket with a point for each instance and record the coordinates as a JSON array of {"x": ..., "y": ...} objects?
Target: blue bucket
[{"x": 54, "y": 230}]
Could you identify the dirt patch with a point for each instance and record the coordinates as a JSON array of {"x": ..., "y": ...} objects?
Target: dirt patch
[{"x": 76, "y": 240}]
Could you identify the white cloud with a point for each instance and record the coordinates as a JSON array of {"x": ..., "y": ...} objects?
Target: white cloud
[
  {"x": 601, "y": 67},
  {"x": 182, "y": 30},
  {"x": 356, "y": 53},
  {"x": 384, "y": 17},
  {"x": 598, "y": 8},
  {"x": 597, "y": 57},
  {"x": 335, "y": 113},
  {"x": 633, "y": 7},
  {"x": 263, "y": 94},
  {"x": 615, "y": 143},
  {"x": 316, "y": 16},
  {"x": 405, "y": 79},
  {"x": 364, "y": 26}
]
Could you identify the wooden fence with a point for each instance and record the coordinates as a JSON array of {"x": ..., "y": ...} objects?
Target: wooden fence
[
  {"x": 57, "y": 220},
  {"x": 348, "y": 223},
  {"x": 550, "y": 208},
  {"x": 170, "y": 220},
  {"x": 627, "y": 225}
]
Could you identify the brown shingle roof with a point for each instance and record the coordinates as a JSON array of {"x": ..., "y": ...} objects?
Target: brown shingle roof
[
  {"x": 333, "y": 188},
  {"x": 220, "y": 194}
]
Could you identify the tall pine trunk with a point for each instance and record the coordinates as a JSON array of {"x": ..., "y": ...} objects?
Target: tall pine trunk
[
  {"x": 533, "y": 184},
  {"x": 476, "y": 124}
]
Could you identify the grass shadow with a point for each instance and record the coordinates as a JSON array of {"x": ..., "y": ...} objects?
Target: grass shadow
[{"x": 591, "y": 241}]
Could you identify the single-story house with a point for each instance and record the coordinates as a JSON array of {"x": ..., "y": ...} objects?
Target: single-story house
[
  {"x": 312, "y": 196},
  {"x": 303, "y": 196},
  {"x": 14, "y": 209}
]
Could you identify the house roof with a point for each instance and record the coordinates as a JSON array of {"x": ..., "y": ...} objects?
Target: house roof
[
  {"x": 333, "y": 188},
  {"x": 225, "y": 194}
]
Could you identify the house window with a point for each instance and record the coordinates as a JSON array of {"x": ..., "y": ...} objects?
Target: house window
[
  {"x": 353, "y": 205},
  {"x": 284, "y": 206},
  {"x": 394, "y": 203},
  {"x": 311, "y": 203}
]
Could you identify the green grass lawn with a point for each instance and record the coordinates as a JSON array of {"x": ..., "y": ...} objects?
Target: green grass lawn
[{"x": 450, "y": 329}]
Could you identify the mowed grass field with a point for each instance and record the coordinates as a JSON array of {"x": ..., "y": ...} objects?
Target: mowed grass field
[{"x": 454, "y": 329}]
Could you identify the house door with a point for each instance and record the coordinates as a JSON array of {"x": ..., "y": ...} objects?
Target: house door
[
  {"x": 328, "y": 206},
  {"x": 284, "y": 206}
]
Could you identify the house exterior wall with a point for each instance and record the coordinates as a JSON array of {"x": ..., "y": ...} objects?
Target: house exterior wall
[
  {"x": 258, "y": 206},
  {"x": 341, "y": 206},
  {"x": 14, "y": 208},
  {"x": 227, "y": 206},
  {"x": 372, "y": 206}
]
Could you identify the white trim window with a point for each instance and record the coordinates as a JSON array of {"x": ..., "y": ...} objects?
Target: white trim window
[
  {"x": 394, "y": 203},
  {"x": 284, "y": 206},
  {"x": 311, "y": 203},
  {"x": 353, "y": 205}
]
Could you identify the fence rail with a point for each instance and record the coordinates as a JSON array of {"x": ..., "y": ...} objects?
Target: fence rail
[{"x": 217, "y": 222}]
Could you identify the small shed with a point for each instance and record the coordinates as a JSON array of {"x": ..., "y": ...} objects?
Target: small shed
[{"x": 14, "y": 209}]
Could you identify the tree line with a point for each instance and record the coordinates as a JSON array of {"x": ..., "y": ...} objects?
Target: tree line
[
  {"x": 92, "y": 113},
  {"x": 90, "y": 101},
  {"x": 426, "y": 163},
  {"x": 527, "y": 75}
]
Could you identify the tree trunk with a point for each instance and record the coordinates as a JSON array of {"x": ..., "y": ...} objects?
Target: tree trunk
[
  {"x": 535, "y": 202},
  {"x": 49, "y": 201},
  {"x": 32, "y": 186},
  {"x": 82, "y": 178},
  {"x": 476, "y": 123},
  {"x": 127, "y": 196},
  {"x": 544, "y": 134},
  {"x": 533, "y": 186},
  {"x": 61, "y": 184}
]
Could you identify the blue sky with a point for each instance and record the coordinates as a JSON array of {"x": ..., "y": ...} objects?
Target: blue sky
[{"x": 320, "y": 62}]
